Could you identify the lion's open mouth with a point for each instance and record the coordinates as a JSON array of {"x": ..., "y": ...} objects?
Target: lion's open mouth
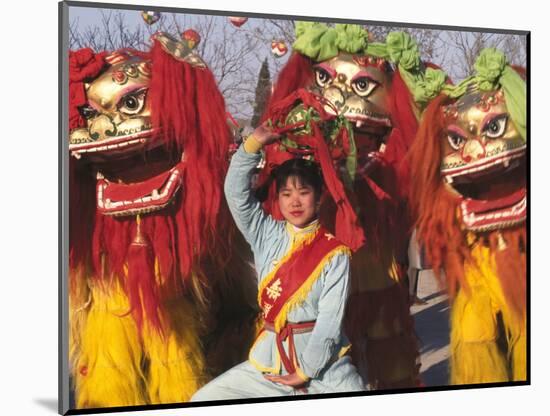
[
  {"x": 138, "y": 198},
  {"x": 494, "y": 193},
  {"x": 487, "y": 215},
  {"x": 471, "y": 171}
]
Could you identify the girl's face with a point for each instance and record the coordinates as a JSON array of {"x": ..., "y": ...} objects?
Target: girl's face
[{"x": 298, "y": 202}]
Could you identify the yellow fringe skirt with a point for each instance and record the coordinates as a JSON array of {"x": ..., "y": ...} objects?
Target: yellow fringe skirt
[
  {"x": 113, "y": 365},
  {"x": 488, "y": 341}
]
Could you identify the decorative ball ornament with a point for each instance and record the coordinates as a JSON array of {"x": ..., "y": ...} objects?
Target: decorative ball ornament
[
  {"x": 238, "y": 21},
  {"x": 192, "y": 38},
  {"x": 150, "y": 17},
  {"x": 279, "y": 48}
]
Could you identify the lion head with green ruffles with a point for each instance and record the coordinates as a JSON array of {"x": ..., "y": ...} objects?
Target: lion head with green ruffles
[
  {"x": 472, "y": 145},
  {"x": 353, "y": 95},
  {"x": 365, "y": 87}
]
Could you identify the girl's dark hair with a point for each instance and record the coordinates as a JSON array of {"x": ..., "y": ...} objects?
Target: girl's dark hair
[{"x": 307, "y": 172}]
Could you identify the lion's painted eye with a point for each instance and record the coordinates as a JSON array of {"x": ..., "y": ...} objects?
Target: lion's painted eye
[
  {"x": 322, "y": 77},
  {"x": 364, "y": 86},
  {"x": 132, "y": 103},
  {"x": 495, "y": 127},
  {"x": 455, "y": 140}
]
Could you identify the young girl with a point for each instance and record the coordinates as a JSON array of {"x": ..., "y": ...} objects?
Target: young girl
[{"x": 303, "y": 277}]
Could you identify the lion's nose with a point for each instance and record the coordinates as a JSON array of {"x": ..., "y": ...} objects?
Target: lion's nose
[
  {"x": 473, "y": 150},
  {"x": 102, "y": 127}
]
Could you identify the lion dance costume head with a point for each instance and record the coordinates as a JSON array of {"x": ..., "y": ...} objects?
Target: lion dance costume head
[
  {"x": 148, "y": 144},
  {"x": 469, "y": 164},
  {"x": 347, "y": 102}
]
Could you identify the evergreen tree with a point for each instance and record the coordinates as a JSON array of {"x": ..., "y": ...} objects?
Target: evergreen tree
[{"x": 263, "y": 90}]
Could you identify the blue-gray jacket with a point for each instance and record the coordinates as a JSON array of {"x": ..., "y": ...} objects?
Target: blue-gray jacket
[{"x": 270, "y": 240}]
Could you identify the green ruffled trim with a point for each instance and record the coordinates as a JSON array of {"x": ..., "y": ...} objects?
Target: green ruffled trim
[
  {"x": 402, "y": 50},
  {"x": 492, "y": 73},
  {"x": 351, "y": 38},
  {"x": 321, "y": 42},
  {"x": 428, "y": 88},
  {"x": 489, "y": 66},
  {"x": 433, "y": 83},
  {"x": 515, "y": 92}
]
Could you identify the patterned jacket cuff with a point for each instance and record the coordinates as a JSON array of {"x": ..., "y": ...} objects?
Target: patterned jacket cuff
[{"x": 252, "y": 145}]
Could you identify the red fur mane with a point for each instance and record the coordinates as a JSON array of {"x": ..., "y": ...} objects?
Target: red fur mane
[
  {"x": 188, "y": 112},
  {"x": 434, "y": 207}
]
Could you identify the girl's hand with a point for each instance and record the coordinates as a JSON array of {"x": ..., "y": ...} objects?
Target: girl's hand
[
  {"x": 293, "y": 380},
  {"x": 265, "y": 134}
]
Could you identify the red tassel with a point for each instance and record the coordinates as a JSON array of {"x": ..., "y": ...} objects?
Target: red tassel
[
  {"x": 140, "y": 284},
  {"x": 405, "y": 126},
  {"x": 348, "y": 229}
]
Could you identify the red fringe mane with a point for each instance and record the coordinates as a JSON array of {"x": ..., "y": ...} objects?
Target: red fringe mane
[
  {"x": 188, "y": 112},
  {"x": 434, "y": 207}
]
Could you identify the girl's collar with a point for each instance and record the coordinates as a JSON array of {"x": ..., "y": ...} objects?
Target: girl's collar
[{"x": 308, "y": 229}]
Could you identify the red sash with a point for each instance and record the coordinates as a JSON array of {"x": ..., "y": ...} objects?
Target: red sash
[{"x": 289, "y": 283}]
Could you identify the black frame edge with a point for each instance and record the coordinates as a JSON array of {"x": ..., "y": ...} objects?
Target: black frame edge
[{"x": 63, "y": 201}]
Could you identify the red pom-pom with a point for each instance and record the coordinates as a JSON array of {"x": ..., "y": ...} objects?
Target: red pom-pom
[{"x": 192, "y": 37}]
